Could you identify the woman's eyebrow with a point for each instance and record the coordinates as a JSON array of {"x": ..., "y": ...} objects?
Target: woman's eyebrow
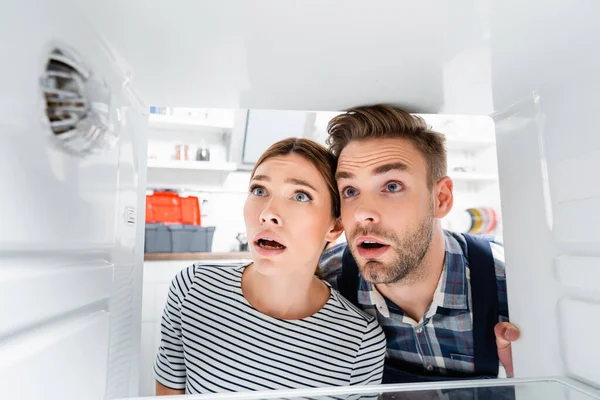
[
  {"x": 300, "y": 182},
  {"x": 261, "y": 178}
]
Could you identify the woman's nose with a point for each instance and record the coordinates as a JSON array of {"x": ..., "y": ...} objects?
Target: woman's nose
[{"x": 270, "y": 215}]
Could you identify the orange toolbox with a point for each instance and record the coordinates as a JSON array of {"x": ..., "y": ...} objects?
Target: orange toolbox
[{"x": 171, "y": 208}]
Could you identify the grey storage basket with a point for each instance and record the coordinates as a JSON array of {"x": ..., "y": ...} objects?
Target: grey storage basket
[{"x": 177, "y": 238}]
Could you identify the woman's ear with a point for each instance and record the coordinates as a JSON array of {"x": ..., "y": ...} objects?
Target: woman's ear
[{"x": 335, "y": 232}]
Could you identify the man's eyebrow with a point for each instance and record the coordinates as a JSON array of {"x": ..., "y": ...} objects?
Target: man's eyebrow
[
  {"x": 382, "y": 169},
  {"x": 300, "y": 182},
  {"x": 343, "y": 175},
  {"x": 261, "y": 178}
]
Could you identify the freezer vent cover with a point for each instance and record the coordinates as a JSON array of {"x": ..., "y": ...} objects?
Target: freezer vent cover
[{"x": 77, "y": 105}]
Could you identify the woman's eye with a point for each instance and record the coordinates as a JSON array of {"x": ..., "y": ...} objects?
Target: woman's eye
[
  {"x": 259, "y": 191},
  {"x": 301, "y": 197},
  {"x": 393, "y": 187},
  {"x": 349, "y": 192}
]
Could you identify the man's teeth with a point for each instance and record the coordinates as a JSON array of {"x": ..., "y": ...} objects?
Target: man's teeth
[{"x": 368, "y": 244}]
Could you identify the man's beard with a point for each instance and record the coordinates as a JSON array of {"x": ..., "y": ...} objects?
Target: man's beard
[{"x": 410, "y": 252}]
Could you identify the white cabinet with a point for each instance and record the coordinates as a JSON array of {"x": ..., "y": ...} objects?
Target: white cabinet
[
  {"x": 265, "y": 127},
  {"x": 188, "y": 148}
]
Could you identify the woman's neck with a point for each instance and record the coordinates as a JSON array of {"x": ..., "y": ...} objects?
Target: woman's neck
[{"x": 285, "y": 296}]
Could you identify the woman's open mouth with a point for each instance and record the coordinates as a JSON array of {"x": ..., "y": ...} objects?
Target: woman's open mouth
[{"x": 268, "y": 246}]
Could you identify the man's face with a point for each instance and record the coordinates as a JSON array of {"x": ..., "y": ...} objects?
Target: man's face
[{"x": 387, "y": 207}]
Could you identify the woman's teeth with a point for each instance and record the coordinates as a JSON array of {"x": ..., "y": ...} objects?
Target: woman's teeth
[{"x": 270, "y": 244}]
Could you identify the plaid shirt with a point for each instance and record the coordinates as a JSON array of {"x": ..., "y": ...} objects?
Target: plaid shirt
[{"x": 442, "y": 342}]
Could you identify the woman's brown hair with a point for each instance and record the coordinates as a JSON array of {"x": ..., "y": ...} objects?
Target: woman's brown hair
[{"x": 316, "y": 154}]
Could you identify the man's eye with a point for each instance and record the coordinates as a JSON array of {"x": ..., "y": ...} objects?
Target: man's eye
[
  {"x": 258, "y": 191},
  {"x": 393, "y": 187},
  {"x": 349, "y": 192},
  {"x": 302, "y": 197}
]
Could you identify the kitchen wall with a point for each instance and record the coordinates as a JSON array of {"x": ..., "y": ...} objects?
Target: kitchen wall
[{"x": 222, "y": 186}]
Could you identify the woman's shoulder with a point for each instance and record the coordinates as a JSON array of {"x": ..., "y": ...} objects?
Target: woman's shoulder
[
  {"x": 188, "y": 277},
  {"x": 344, "y": 307}
]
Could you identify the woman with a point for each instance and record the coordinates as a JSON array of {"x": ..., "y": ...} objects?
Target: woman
[{"x": 272, "y": 324}]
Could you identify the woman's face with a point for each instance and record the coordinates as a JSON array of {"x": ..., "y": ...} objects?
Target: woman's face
[{"x": 288, "y": 216}]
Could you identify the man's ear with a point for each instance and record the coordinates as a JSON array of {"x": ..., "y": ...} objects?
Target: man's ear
[
  {"x": 443, "y": 197},
  {"x": 335, "y": 232}
]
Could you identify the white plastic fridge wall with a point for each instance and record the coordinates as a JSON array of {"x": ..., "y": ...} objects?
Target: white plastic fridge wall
[
  {"x": 70, "y": 261},
  {"x": 531, "y": 65},
  {"x": 545, "y": 86}
]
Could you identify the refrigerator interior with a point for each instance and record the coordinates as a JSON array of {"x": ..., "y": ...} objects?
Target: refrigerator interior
[{"x": 71, "y": 238}]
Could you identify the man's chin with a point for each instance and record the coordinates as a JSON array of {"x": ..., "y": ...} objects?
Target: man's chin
[{"x": 375, "y": 272}]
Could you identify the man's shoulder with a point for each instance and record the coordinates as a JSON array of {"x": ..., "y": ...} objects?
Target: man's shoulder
[
  {"x": 456, "y": 244},
  {"x": 330, "y": 263},
  {"x": 497, "y": 247}
]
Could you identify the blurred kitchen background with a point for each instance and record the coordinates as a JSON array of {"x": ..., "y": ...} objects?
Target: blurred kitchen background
[{"x": 199, "y": 164}]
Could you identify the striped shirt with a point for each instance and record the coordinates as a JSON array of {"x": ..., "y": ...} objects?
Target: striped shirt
[
  {"x": 442, "y": 342},
  {"x": 213, "y": 340}
]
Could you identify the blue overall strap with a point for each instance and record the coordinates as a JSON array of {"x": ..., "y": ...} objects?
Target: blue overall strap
[
  {"x": 484, "y": 295},
  {"x": 348, "y": 279}
]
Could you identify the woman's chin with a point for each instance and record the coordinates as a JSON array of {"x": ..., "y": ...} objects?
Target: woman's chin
[{"x": 268, "y": 267}]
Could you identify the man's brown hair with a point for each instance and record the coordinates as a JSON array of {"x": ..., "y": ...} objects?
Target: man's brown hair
[{"x": 384, "y": 122}]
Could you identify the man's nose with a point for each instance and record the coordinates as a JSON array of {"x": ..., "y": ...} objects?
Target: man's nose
[
  {"x": 270, "y": 215},
  {"x": 366, "y": 212}
]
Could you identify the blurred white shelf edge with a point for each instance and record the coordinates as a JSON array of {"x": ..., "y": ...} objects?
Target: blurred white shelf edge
[
  {"x": 474, "y": 177},
  {"x": 170, "y": 123},
  {"x": 473, "y": 143},
  {"x": 192, "y": 165}
]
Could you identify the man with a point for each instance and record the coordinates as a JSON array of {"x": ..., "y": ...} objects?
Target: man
[{"x": 439, "y": 296}]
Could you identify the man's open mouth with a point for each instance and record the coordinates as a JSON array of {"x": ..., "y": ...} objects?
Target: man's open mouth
[{"x": 371, "y": 245}]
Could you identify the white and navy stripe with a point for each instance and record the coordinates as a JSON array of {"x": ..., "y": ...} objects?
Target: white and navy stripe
[{"x": 213, "y": 340}]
